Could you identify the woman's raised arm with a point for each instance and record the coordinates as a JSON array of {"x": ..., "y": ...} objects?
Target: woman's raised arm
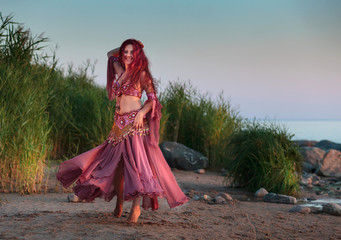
[{"x": 113, "y": 52}]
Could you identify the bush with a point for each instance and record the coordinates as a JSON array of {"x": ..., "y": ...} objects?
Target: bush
[
  {"x": 263, "y": 155},
  {"x": 197, "y": 121}
]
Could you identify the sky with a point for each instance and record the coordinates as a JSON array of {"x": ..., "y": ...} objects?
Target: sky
[{"x": 272, "y": 58}]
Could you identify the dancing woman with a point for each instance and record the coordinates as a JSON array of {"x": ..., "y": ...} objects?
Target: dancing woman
[{"x": 129, "y": 163}]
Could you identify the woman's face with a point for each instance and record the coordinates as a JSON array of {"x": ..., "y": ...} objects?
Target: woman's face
[{"x": 128, "y": 54}]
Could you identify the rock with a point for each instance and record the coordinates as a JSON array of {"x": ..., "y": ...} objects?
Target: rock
[
  {"x": 179, "y": 156},
  {"x": 226, "y": 196},
  {"x": 200, "y": 171},
  {"x": 279, "y": 198},
  {"x": 223, "y": 172},
  {"x": 189, "y": 193},
  {"x": 313, "y": 157},
  {"x": 306, "y": 180},
  {"x": 332, "y": 208},
  {"x": 206, "y": 197},
  {"x": 305, "y": 143},
  {"x": 331, "y": 164},
  {"x": 219, "y": 200},
  {"x": 73, "y": 198},
  {"x": 300, "y": 209},
  {"x": 196, "y": 197},
  {"x": 261, "y": 192},
  {"x": 326, "y": 145}
]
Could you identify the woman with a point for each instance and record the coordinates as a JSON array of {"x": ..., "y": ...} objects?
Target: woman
[{"x": 129, "y": 163}]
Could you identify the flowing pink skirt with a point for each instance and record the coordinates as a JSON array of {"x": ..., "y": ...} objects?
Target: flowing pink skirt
[{"x": 146, "y": 172}]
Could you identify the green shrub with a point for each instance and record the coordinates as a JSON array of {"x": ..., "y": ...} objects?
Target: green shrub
[
  {"x": 263, "y": 155},
  {"x": 197, "y": 121}
]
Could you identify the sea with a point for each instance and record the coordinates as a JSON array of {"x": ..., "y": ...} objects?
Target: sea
[{"x": 313, "y": 129}]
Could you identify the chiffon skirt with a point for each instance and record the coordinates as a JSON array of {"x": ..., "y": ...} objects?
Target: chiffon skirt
[{"x": 145, "y": 171}]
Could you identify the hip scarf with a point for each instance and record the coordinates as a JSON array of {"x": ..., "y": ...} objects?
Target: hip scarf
[{"x": 123, "y": 127}]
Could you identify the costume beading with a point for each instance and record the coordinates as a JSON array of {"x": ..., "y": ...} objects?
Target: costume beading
[{"x": 146, "y": 172}]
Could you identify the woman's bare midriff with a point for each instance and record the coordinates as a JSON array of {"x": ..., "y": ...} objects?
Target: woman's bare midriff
[{"x": 128, "y": 103}]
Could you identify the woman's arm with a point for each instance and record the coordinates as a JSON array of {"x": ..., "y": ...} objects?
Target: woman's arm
[
  {"x": 149, "y": 88},
  {"x": 113, "y": 52}
]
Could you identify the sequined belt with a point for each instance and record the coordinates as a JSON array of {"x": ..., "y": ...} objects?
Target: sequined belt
[
  {"x": 125, "y": 119},
  {"x": 123, "y": 127}
]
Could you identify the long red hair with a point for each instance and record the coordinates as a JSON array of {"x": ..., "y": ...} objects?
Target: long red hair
[{"x": 140, "y": 62}]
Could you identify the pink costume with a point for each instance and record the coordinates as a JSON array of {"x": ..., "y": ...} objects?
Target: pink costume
[{"x": 146, "y": 172}]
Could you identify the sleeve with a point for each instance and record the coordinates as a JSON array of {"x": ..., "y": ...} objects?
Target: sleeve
[
  {"x": 154, "y": 115},
  {"x": 111, "y": 76}
]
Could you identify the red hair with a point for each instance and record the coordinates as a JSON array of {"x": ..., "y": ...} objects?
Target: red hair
[{"x": 140, "y": 63}]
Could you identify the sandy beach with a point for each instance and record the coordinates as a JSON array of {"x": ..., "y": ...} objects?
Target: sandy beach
[{"x": 51, "y": 216}]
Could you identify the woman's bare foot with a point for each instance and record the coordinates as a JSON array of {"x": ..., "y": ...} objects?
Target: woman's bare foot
[
  {"x": 135, "y": 212},
  {"x": 119, "y": 209}
]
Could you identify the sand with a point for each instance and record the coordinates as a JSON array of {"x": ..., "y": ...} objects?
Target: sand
[{"x": 51, "y": 216}]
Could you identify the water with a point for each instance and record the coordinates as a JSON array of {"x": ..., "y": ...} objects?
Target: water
[
  {"x": 318, "y": 204},
  {"x": 314, "y": 129}
]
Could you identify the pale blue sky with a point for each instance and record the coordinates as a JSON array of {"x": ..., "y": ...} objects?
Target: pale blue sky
[{"x": 277, "y": 59}]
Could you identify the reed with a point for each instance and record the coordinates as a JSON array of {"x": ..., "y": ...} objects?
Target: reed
[
  {"x": 263, "y": 155},
  {"x": 197, "y": 121}
]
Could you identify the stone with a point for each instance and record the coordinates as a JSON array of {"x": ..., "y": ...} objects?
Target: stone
[
  {"x": 300, "y": 209},
  {"x": 179, "y": 156},
  {"x": 332, "y": 208},
  {"x": 326, "y": 145},
  {"x": 313, "y": 157},
  {"x": 223, "y": 172},
  {"x": 219, "y": 200},
  {"x": 200, "y": 171},
  {"x": 226, "y": 196},
  {"x": 306, "y": 180},
  {"x": 73, "y": 198},
  {"x": 206, "y": 197},
  {"x": 279, "y": 198},
  {"x": 196, "y": 197},
  {"x": 261, "y": 192},
  {"x": 331, "y": 164}
]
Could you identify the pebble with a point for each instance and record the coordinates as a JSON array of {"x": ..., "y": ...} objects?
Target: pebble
[
  {"x": 261, "y": 192},
  {"x": 196, "y": 197},
  {"x": 200, "y": 171},
  {"x": 332, "y": 208},
  {"x": 219, "y": 200},
  {"x": 73, "y": 198},
  {"x": 226, "y": 196},
  {"x": 223, "y": 172},
  {"x": 300, "y": 209},
  {"x": 206, "y": 197}
]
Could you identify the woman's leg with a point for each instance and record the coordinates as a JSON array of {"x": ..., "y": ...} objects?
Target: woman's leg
[
  {"x": 118, "y": 184},
  {"x": 135, "y": 211}
]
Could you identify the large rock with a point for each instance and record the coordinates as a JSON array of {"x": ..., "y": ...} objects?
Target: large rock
[
  {"x": 331, "y": 164},
  {"x": 261, "y": 192},
  {"x": 332, "y": 208},
  {"x": 179, "y": 156},
  {"x": 313, "y": 157},
  {"x": 326, "y": 145},
  {"x": 279, "y": 198}
]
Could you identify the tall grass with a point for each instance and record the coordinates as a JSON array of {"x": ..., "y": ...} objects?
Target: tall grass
[
  {"x": 80, "y": 114},
  {"x": 43, "y": 112},
  {"x": 263, "y": 155},
  {"x": 198, "y": 121},
  {"x": 24, "y": 125}
]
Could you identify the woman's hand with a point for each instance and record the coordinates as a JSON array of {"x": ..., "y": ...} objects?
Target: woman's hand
[{"x": 138, "y": 122}]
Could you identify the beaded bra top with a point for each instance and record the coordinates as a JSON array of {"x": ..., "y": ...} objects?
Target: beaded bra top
[{"x": 125, "y": 89}]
